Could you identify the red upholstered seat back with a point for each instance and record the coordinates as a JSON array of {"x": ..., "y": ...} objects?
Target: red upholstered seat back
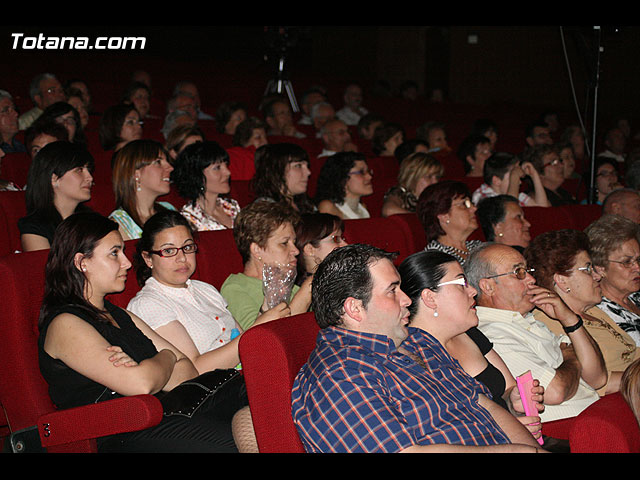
[
  {"x": 606, "y": 426},
  {"x": 23, "y": 392},
  {"x": 272, "y": 354}
]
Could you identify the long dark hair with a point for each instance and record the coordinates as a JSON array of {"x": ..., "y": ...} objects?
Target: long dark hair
[
  {"x": 269, "y": 180},
  {"x": 54, "y": 158},
  {"x": 334, "y": 176},
  {"x": 64, "y": 282},
  {"x": 423, "y": 270},
  {"x": 156, "y": 224},
  {"x": 312, "y": 228}
]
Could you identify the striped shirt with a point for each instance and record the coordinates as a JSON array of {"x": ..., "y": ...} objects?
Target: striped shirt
[{"x": 358, "y": 393}]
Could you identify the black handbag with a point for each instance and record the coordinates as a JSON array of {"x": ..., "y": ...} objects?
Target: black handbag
[{"x": 186, "y": 398}]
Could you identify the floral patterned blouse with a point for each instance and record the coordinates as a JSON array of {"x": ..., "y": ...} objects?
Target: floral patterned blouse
[
  {"x": 201, "y": 221},
  {"x": 628, "y": 321}
]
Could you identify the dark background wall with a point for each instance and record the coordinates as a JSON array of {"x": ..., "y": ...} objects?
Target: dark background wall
[{"x": 473, "y": 64}]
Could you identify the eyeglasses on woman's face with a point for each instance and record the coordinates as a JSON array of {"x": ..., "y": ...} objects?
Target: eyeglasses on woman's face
[{"x": 173, "y": 251}]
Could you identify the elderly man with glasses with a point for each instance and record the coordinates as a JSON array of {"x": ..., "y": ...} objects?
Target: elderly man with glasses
[{"x": 569, "y": 367}]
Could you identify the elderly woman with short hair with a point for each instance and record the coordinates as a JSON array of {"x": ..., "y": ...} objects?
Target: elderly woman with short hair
[
  {"x": 615, "y": 252},
  {"x": 502, "y": 221},
  {"x": 562, "y": 263},
  {"x": 448, "y": 217}
]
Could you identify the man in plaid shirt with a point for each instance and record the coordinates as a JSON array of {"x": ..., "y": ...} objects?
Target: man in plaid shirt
[{"x": 359, "y": 393}]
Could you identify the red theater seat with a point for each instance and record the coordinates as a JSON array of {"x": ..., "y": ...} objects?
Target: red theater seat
[
  {"x": 24, "y": 393},
  {"x": 272, "y": 354}
]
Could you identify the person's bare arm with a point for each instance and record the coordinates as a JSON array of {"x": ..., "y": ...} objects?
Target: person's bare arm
[
  {"x": 31, "y": 242},
  {"x": 591, "y": 363},
  {"x": 79, "y": 346}
]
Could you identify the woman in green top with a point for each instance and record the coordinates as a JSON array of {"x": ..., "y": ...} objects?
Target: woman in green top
[{"x": 264, "y": 232}]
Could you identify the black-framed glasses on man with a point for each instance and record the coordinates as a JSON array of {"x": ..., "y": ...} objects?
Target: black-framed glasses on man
[
  {"x": 173, "y": 251},
  {"x": 519, "y": 272}
]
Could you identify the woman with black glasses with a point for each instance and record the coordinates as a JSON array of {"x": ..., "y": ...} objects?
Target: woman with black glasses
[
  {"x": 190, "y": 314},
  {"x": 562, "y": 263}
]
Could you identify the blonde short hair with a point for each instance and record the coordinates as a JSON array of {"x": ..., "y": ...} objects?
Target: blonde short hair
[{"x": 416, "y": 166}]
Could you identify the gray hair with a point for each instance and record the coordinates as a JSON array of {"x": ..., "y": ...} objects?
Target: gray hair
[
  {"x": 34, "y": 88},
  {"x": 171, "y": 120},
  {"x": 316, "y": 107},
  {"x": 478, "y": 267},
  {"x": 5, "y": 94},
  {"x": 607, "y": 233}
]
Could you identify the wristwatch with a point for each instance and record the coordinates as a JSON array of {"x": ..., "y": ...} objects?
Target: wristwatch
[{"x": 573, "y": 328}]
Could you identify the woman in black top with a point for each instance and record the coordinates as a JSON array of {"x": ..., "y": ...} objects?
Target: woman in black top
[
  {"x": 91, "y": 350},
  {"x": 443, "y": 306},
  {"x": 59, "y": 182}
]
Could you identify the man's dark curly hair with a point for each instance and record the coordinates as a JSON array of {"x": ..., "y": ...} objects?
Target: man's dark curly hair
[
  {"x": 334, "y": 176},
  {"x": 344, "y": 273},
  {"x": 188, "y": 176}
]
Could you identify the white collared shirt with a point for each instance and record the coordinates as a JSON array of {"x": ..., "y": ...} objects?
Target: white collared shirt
[
  {"x": 199, "y": 308},
  {"x": 525, "y": 343}
]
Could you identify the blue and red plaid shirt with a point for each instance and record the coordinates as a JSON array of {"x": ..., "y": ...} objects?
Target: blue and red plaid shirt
[{"x": 358, "y": 393}]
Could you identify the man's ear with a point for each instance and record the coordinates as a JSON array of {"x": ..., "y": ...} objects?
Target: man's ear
[
  {"x": 487, "y": 286},
  {"x": 354, "y": 310}
]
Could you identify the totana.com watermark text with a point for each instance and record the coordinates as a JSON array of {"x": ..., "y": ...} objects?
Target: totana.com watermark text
[{"x": 43, "y": 42}]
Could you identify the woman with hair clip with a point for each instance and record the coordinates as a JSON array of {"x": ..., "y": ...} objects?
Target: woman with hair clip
[
  {"x": 201, "y": 176},
  {"x": 58, "y": 184},
  {"x": 344, "y": 179},
  {"x": 282, "y": 175},
  {"x": 91, "y": 350},
  {"x": 442, "y": 308},
  {"x": 141, "y": 174},
  {"x": 317, "y": 234}
]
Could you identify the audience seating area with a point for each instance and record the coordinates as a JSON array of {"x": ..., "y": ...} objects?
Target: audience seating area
[{"x": 271, "y": 354}]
